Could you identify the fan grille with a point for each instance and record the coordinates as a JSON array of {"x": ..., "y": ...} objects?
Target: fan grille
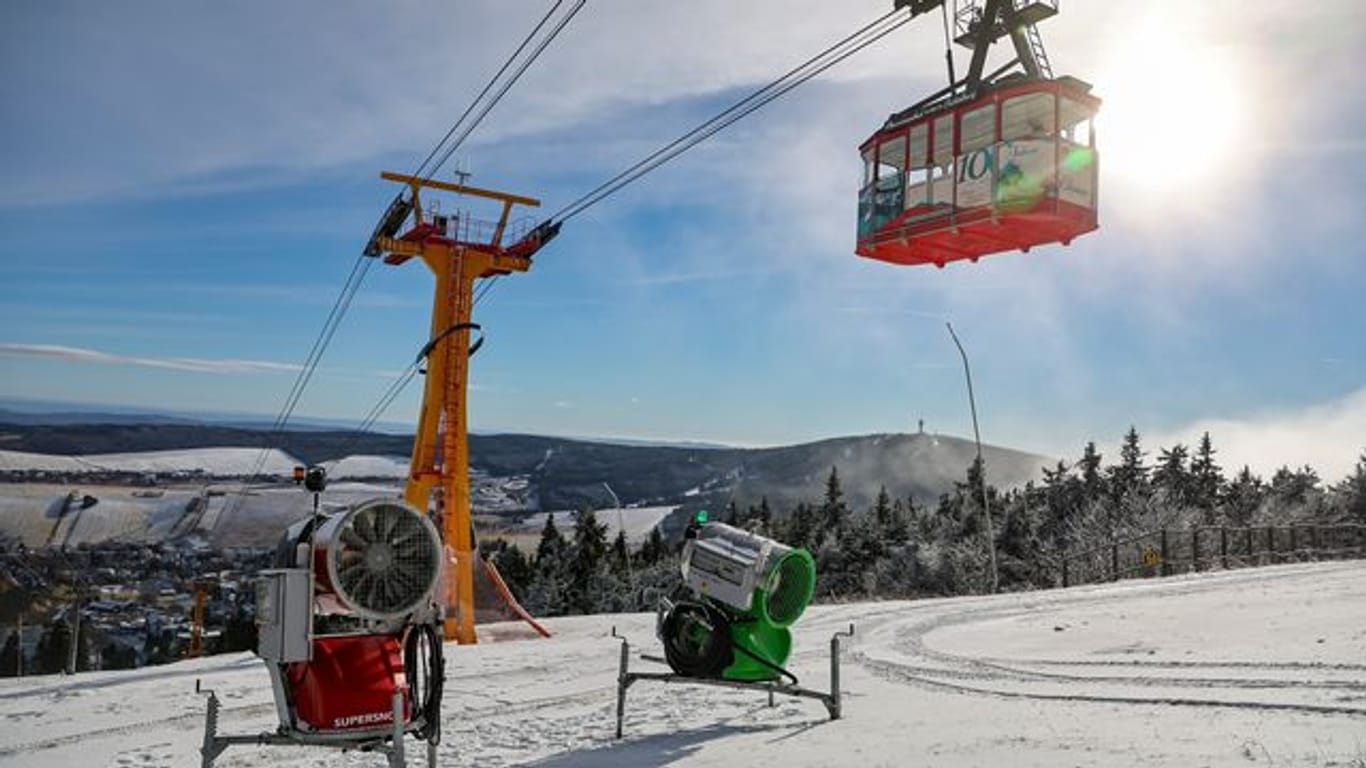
[
  {"x": 791, "y": 588},
  {"x": 384, "y": 559}
]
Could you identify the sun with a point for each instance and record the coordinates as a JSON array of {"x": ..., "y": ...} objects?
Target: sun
[{"x": 1174, "y": 119}]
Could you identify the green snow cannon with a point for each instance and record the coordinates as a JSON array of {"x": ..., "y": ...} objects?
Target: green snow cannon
[{"x": 747, "y": 590}]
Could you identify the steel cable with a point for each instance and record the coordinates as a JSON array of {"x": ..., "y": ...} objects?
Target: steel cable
[
  {"x": 487, "y": 87},
  {"x": 834, "y": 54},
  {"x": 362, "y": 263},
  {"x": 507, "y": 85},
  {"x": 398, "y": 385}
]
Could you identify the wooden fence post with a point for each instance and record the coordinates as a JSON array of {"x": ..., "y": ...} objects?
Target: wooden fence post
[
  {"x": 1166, "y": 567},
  {"x": 1248, "y": 532},
  {"x": 1223, "y": 547},
  {"x": 1195, "y": 549},
  {"x": 1065, "y": 580},
  {"x": 1114, "y": 561},
  {"x": 1271, "y": 544}
]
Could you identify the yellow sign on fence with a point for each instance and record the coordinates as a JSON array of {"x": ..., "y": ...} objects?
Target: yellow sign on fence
[{"x": 1151, "y": 558}]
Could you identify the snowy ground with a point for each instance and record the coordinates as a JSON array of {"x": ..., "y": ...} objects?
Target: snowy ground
[
  {"x": 217, "y": 462},
  {"x": 1262, "y": 667},
  {"x": 636, "y": 521}
]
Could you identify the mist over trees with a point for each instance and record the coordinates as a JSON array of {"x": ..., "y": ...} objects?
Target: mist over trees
[{"x": 908, "y": 547}]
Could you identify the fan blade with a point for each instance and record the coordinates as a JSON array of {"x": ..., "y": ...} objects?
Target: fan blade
[
  {"x": 363, "y": 523},
  {"x": 351, "y": 538},
  {"x": 389, "y": 520}
]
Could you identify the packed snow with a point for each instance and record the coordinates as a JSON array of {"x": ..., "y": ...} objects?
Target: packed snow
[{"x": 1259, "y": 667}]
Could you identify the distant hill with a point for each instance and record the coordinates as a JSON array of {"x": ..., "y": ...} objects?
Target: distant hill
[
  {"x": 91, "y": 437},
  {"x": 8, "y": 416},
  {"x": 919, "y": 465},
  {"x": 568, "y": 474}
]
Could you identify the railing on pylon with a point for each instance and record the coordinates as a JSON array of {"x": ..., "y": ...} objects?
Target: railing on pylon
[{"x": 463, "y": 228}]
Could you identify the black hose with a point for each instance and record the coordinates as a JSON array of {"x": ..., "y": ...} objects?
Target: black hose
[
  {"x": 426, "y": 689},
  {"x": 692, "y": 653},
  {"x": 706, "y": 656},
  {"x": 765, "y": 662}
]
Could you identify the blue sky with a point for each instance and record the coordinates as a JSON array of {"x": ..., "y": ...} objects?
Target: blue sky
[{"x": 183, "y": 188}]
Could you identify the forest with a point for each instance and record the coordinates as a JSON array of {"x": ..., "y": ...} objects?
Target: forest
[{"x": 909, "y": 548}]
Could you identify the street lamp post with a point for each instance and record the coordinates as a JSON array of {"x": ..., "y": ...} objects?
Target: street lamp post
[
  {"x": 621, "y": 528},
  {"x": 981, "y": 467}
]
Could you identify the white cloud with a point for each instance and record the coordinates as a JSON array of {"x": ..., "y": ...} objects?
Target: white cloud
[
  {"x": 1328, "y": 436},
  {"x": 191, "y": 364},
  {"x": 235, "y": 100},
  {"x": 213, "y": 97}
]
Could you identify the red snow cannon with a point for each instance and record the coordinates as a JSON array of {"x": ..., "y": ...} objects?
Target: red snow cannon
[{"x": 348, "y": 625}]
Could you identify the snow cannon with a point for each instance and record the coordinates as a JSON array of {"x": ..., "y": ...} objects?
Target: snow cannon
[
  {"x": 747, "y": 591},
  {"x": 348, "y": 624}
]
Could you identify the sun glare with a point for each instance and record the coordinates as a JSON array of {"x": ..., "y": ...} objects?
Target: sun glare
[{"x": 1173, "y": 119}]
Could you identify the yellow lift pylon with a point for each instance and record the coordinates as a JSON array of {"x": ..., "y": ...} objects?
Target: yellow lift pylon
[{"x": 453, "y": 249}]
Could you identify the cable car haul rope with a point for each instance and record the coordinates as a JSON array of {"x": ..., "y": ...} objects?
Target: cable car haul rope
[{"x": 991, "y": 163}]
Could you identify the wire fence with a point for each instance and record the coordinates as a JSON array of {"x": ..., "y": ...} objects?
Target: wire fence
[{"x": 1171, "y": 551}]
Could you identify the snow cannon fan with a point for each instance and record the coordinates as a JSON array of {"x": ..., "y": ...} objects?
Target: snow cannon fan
[
  {"x": 366, "y": 576},
  {"x": 380, "y": 560},
  {"x": 747, "y": 591}
]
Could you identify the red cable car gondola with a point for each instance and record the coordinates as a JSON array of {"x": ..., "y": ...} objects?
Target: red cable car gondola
[{"x": 986, "y": 165}]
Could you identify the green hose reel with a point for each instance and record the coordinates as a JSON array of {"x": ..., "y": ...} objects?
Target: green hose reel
[{"x": 747, "y": 591}]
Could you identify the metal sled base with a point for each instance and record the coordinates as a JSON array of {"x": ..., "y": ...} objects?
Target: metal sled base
[
  {"x": 831, "y": 700},
  {"x": 391, "y": 745}
]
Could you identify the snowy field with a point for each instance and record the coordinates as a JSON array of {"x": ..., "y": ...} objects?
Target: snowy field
[
  {"x": 219, "y": 462},
  {"x": 394, "y": 467},
  {"x": 1262, "y": 667},
  {"x": 636, "y": 521}
]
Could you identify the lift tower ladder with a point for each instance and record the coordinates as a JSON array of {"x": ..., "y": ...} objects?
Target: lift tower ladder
[{"x": 457, "y": 255}]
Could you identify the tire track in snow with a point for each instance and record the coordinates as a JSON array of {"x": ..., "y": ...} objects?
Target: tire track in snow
[
  {"x": 1010, "y": 678},
  {"x": 995, "y": 668},
  {"x": 893, "y": 671},
  {"x": 122, "y": 730},
  {"x": 154, "y": 675}
]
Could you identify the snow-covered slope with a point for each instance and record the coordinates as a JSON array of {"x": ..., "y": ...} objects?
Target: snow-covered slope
[
  {"x": 636, "y": 521},
  {"x": 368, "y": 467},
  {"x": 1247, "y": 668},
  {"x": 22, "y": 461},
  {"x": 218, "y": 462}
]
